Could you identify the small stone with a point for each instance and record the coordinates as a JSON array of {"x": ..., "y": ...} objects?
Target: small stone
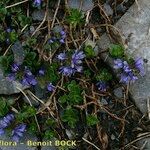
[
  {"x": 104, "y": 101},
  {"x": 38, "y": 15},
  {"x": 113, "y": 137},
  {"x": 118, "y": 92},
  {"x": 10, "y": 87},
  {"x": 108, "y": 10},
  {"x": 18, "y": 52},
  {"x": 144, "y": 144},
  {"x": 85, "y": 5}
]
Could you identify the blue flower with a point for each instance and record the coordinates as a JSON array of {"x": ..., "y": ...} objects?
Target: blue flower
[
  {"x": 139, "y": 65},
  {"x": 50, "y": 41},
  {"x": 41, "y": 72},
  {"x": 77, "y": 57},
  {"x": 2, "y": 131},
  {"x": 62, "y": 41},
  {"x": 8, "y": 30},
  {"x": 126, "y": 78},
  {"x": 29, "y": 81},
  {"x": 15, "y": 67},
  {"x": 6, "y": 121},
  {"x": 63, "y": 34},
  {"x": 17, "y": 133},
  {"x": 37, "y": 3},
  {"x": 50, "y": 87},
  {"x": 29, "y": 78},
  {"x": 11, "y": 77},
  {"x": 102, "y": 86},
  {"x": 118, "y": 64},
  {"x": 67, "y": 70},
  {"x": 62, "y": 56}
]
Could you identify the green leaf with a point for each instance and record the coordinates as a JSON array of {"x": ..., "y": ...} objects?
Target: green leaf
[
  {"x": 70, "y": 116},
  {"x": 91, "y": 120},
  {"x": 13, "y": 36},
  {"x": 26, "y": 113},
  {"x": 5, "y": 62},
  {"x": 104, "y": 75},
  {"x": 3, "y": 12},
  {"x": 49, "y": 134},
  {"x": 3, "y": 107},
  {"x": 116, "y": 51},
  {"x": 63, "y": 99},
  {"x": 89, "y": 51},
  {"x": 75, "y": 18}
]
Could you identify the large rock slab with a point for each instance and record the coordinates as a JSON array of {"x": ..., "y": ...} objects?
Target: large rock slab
[{"x": 134, "y": 28}]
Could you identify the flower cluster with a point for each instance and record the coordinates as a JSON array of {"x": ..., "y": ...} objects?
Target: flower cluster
[
  {"x": 18, "y": 131},
  {"x": 76, "y": 63},
  {"x": 60, "y": 38},
  {"x": 37, "y": 3},
  {"x": 5, "y": 122},
  {"x": 29, "y": 78},
  {"x": 128, "y": 73}
]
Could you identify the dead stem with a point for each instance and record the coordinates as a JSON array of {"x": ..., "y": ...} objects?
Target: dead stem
[
  {"x": 13, "y": 5},
  {"x": 91, "y": 143}
]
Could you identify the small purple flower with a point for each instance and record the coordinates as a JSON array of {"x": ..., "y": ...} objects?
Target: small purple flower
[
  {"x": 62, "y": 41},
  {"x": 50, "y": 41},
  {"x": 32, "y": 81},
  {"x": 41, "y": 72},
  {"x": 6, "y": 121},
  {"x": 62, "y": 56},
  {"x": 102, "y": 86},
  {"x": 37, "y": 3},
  {"x": 11, "y": 77},
  {"x": 17, "y": 133},
  {"x": 124, "y": 78},
  {"x": 67, "y": 70},
  {"x": 29, "y": 81},
  {"x": 25, "y": 82},
  {"x": 2, "y": 131},
  {"x": 78, "y": 55},
  {"x": 50, "y": 87},
  {"x": 8, "y": 30},
  {"x": 27, "y": 72},
  {"x": 139, "y": 64},
  {"x": 126, "y": 67},
  {"x": 118, "y": 64},
  {"x": 15, "y": 67},
  {"x": 63, "y": 34},
  {"x": 77, "y": 58},
  {"x": 79, "y": 68}
]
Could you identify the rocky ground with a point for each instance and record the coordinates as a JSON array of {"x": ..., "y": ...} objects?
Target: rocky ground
[{"x": 121, "y": 112}]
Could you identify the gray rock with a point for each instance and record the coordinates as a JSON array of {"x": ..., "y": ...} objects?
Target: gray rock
[
  {"x": 108, "y": 9},
  {"x": 144, "y": 144},
  {"x": 22, "y": 145},
  {"x": 10, "y": 87},
  {"x": 134, "y": 28},
  {"x": 18, "y": 52},
  {"x": 38, "y": 15},
  {"x": 118, "y": 92},
  {"x": 85, "y": 5}
]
